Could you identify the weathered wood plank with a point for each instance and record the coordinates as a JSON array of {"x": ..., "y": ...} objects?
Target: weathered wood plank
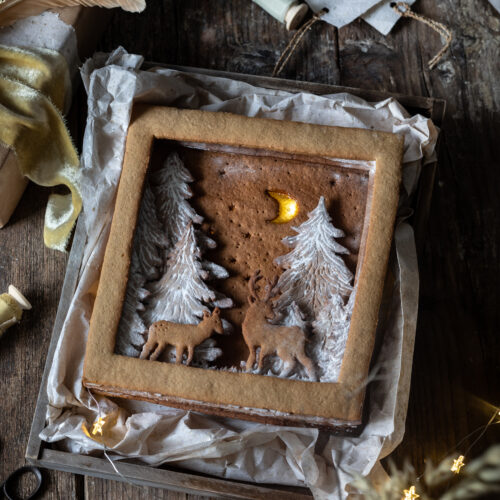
[
  {"x": 456, "y": 353},
  {"x": 37, "y": 271},
  {"x": 234, "y": 35},
  {"x": 98, "y": 488}
]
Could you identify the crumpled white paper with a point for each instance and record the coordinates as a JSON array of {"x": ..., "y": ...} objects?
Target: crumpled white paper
[
  {"x": 377, "y": 13},
  {"x": 227, "y": 447}
]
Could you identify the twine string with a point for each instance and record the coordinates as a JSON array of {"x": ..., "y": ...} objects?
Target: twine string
[
  {"x": 482, "y": 429},
  {"x": 295, "y": 41},
  {"x": 404, "y": 10},
  {"x": 112, "y": 462}
]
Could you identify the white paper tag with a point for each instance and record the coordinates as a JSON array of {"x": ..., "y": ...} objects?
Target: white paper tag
[{"x": 377, "y": 13}]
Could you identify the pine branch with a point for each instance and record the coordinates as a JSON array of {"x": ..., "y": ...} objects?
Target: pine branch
[{"x": 476, "y": 480}]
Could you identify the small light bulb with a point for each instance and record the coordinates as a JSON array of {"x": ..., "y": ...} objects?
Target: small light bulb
[
  {"x": 458, "y": 463},
  {"x": 410, "y": 494},
  {"x": 97, "y": 427}
]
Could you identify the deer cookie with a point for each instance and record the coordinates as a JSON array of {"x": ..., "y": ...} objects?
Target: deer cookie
[
  {"x": 181, "y": 336},
  {"x": 287, "y": 342}
]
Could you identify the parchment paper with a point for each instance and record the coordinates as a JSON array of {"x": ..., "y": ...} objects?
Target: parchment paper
[{"x": 227, "y": 447}]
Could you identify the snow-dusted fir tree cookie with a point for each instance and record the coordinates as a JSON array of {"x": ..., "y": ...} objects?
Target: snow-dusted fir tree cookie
[
  {"x": 171, "y": 187},
  {"x": 331, "y": 328},
  {"x": 313, "y": 268},
  {"x": 316, "y": 279},
  {"x": 146, "y": 263},
  {"x": 182, "y": 295}
]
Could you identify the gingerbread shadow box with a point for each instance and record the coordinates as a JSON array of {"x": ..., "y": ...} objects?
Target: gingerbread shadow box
[{"x": 244, "y": 269}]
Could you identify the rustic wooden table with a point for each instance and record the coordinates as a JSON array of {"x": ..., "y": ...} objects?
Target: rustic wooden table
[{"x": 456, "y": 363}]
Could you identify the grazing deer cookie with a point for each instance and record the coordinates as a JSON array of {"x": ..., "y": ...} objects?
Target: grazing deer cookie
[{"x": 204, "y": 200}]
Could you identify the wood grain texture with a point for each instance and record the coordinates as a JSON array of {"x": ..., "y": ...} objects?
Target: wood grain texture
[
  {"x": 99, "y": 488},
  {"x": 457, "y": 347},
  {"x": 37, "y": 271}
]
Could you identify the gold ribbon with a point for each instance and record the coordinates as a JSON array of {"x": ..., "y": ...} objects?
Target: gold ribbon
[{"x": 33, "y": 85}]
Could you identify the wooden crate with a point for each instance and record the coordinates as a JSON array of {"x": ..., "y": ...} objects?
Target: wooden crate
[{"x": 41, "y": 454}]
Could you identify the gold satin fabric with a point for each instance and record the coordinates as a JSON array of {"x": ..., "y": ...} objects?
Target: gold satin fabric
[{"x": 33, "y": 86}]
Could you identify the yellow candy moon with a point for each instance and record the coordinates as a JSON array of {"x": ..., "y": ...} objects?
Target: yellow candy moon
[{"x": 288, "y": 207}]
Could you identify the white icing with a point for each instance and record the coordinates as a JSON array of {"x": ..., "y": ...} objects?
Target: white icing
[
  {"x": 181, "y": 294},
  {"x": 204, "y": 241},
  {"x": 292, "y": 316},
  {"x": 172, "y": 190},
  {"x": 204, "y": 353},
  {"x": 332, "y": 328},
  {"x": 315, "y": 282},
  {"x": 146, "y": 261},
  {"x": 214, "y": 270},
  {"x": 149, "y": 238}
]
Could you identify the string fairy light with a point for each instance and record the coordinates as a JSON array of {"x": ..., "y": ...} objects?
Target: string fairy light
[
  {"x": 410, "y": 494},
  {"x": 97, "y": 427},
  {"x": 99, "y": 423},
  {"x": 491, "y": 421},
  {"x": 458, "y": 463}
]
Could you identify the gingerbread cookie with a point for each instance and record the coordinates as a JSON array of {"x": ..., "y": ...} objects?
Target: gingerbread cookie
[{"x": 204, "y": 200}]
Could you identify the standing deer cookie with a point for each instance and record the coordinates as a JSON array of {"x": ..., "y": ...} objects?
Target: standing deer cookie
[
  {"x": 182, "y": 337},
  {"x": 287, "y": 342}
]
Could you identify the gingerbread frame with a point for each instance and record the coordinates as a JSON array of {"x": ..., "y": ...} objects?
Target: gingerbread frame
[{"x": 267, "y": 399}]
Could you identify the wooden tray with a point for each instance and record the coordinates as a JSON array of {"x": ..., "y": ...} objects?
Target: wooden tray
[{"x": 40, "y": 453}]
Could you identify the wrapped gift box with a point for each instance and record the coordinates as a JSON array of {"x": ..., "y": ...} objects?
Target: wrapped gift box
[{"x": 88, "y": 24}]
